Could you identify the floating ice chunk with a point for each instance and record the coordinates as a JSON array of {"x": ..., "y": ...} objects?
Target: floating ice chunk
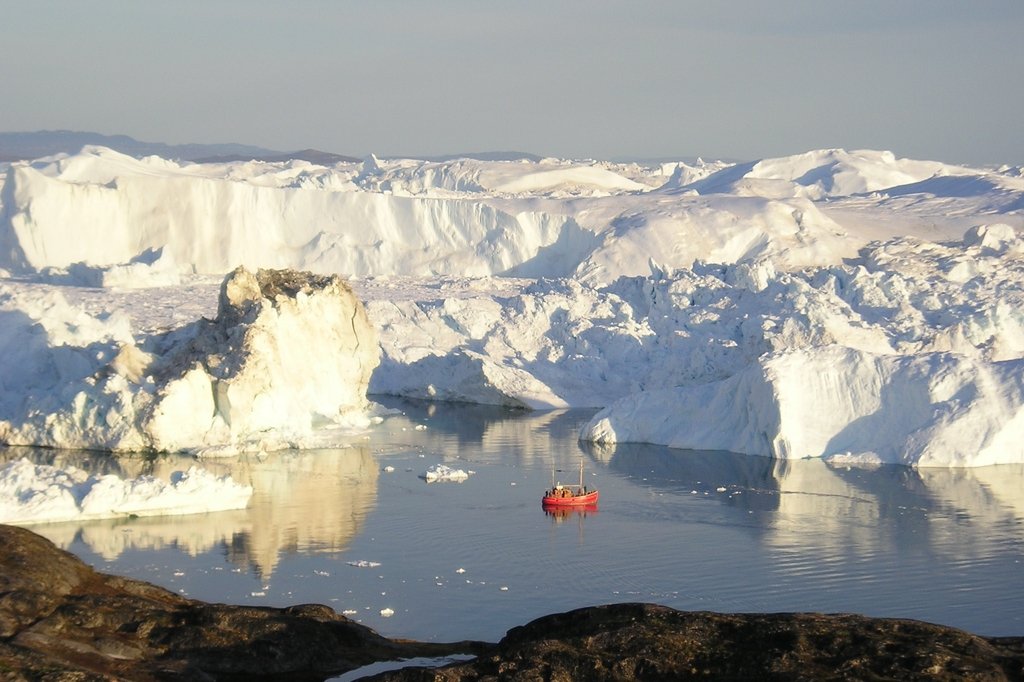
[
  {"x": 362, "y": 563},
  {"x": 387, "y": 613},
  {"x": 388, "y": 469},
  {"x": 864, "y": 460},
  {"x": 441, "y": 472}
]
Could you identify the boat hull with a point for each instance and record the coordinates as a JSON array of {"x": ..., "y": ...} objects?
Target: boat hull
[{"x": 570, "y": 501}]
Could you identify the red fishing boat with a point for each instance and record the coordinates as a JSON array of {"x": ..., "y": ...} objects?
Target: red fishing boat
[{"x": 568, "y": 496}]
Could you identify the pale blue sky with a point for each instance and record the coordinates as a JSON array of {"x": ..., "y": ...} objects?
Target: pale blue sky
[{"x": 933, "y": 79}]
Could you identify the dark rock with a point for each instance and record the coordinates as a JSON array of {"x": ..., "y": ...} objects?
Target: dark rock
[
  {"x": 61, "y": 620},
  {"x": 647, "y": 642}
]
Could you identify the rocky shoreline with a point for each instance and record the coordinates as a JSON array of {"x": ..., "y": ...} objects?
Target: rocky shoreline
[{"x": 61, "y": 620}]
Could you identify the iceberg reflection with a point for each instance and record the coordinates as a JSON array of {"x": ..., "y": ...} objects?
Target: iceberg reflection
[
  {"x": 303, "y": 501},
  {"x": 856, "y": 512}
]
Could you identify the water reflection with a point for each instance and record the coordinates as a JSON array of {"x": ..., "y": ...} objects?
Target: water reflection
[
  {"x": 694, "y": 530},
  {"x": 748, "y": 483},
  {"x": 561, "y": 513},
  {"x": 812, "y": 504},
  {"x": 490, "y": 432},
  {"x": 303, "y": 501}
]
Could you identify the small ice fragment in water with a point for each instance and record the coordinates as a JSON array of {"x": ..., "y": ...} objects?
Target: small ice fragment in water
[
  {"x": 362, "y": 563},
  {"x": 387, "y": 613},
  {"x": 504, "y": 588},
  {"x": 389, "y": 468},
  {"x": 720, "y": 488},
  {"x": 460, "y": 570},
  {"x": 440, "y": 472},
  {"x": 421, "y": 427},
  {"x": 258, "y": 594}
]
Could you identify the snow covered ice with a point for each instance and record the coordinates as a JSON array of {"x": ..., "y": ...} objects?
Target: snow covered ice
[
  {"x": 38, "y": 493},
  {"x": 442, "y": 472},
  {"x": 287, "y": 352},
  {"x": 848, "y": 305}
]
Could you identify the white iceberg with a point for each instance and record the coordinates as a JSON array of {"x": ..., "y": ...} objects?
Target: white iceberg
[
  {"x": 39, "y": 493},
  {"x": 151, "y": 268},
  {"x": 933, "y": 409},
  {"x": 442, "y": 472},
  {"x": 532, "y": 283},
  {"x": 288, "y": 354}
]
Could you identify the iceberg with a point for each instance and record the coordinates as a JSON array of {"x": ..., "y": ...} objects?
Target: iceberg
[
  {"x": 443, "y": 472},
  {"x": 39, "y": 493},
  {"x": 924, "y": 410},
  {"x": 288, "y": 354},
  {"x": 870, "y": 283}
]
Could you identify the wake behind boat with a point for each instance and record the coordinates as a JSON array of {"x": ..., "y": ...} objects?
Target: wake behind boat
[{"x": 568, "y": 496}]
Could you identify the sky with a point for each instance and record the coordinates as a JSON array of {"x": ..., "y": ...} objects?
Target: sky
[{"x": 743, "y": 79}]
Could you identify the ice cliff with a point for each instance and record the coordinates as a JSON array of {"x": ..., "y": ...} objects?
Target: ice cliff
[
  {"x": 849, "y": 406},
  {"x": 549, "y": 218},
  {"x": 530, "y": 283},
  {"x": 288, "y": 354}
]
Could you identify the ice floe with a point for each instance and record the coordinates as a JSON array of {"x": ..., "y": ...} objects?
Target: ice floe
[{"x": 442, "y": 472}]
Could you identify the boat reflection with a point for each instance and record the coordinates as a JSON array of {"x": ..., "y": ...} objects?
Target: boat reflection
[{"x": 560, "y": 513}]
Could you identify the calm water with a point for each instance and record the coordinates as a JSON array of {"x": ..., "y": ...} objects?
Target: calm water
[{"x": 693, "y": 530}]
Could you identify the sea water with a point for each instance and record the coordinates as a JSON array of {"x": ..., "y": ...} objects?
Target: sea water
[{"x": 359, "y": 529}]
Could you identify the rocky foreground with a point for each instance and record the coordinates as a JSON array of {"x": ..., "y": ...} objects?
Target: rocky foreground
[{"x": 61, "y": 620}]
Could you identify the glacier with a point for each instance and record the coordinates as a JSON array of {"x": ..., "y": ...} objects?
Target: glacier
[{"x": 849, "y": 305}]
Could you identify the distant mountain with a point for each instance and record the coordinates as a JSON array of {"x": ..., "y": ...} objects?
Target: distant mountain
[
  {"x": 481, "y": 156},
  {"x": 312, "y": 155},
  {"x": 19, "y": 146}
]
